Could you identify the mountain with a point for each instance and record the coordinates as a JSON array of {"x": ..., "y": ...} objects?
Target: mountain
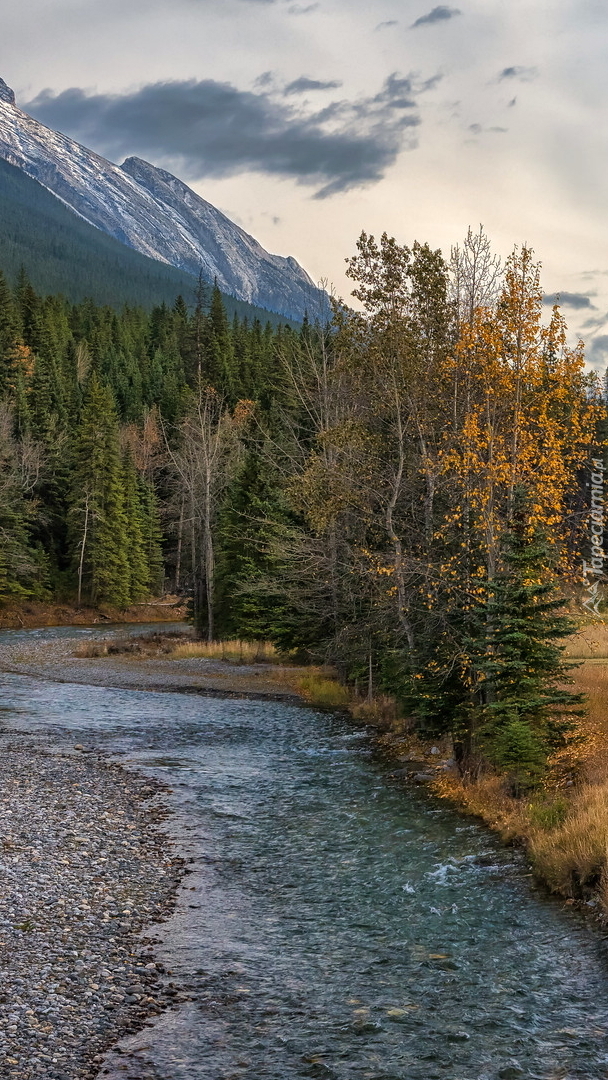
[
  {"x": 62, "y": 253},
  {"x": 155, "y": 214}
]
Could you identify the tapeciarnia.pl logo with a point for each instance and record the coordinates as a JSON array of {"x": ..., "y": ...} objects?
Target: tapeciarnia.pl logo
[{"x": 593, "y": 571}]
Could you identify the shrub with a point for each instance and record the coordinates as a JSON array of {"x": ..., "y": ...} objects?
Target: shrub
[{"x": 324, "y": 692}]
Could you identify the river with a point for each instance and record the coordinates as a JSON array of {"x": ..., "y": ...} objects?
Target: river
[{"x": 334, "y": 922}]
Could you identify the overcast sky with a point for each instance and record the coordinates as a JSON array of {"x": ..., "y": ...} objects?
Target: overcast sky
[{"x": 308, "y": 121}]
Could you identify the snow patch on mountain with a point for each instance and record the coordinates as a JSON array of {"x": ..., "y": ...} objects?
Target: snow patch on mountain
[
  {"x": 6, "y": 94},
  {"x": 153, "y": 212}
]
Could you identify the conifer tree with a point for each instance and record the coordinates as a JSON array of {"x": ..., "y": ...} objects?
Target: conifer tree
[
  {"x": 526, "y": 711},
  {"x": 249, "y": 598},
  {"x": 8, "y": 334},
  {"x": 135, "y": 524},
  {"x": 98, "y": 518},
  {"x": 152, "y": 536},
  {"x": 219, "y": 352}
]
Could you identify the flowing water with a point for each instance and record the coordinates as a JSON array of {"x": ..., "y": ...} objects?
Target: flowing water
[{"x": 336, "y": 923}]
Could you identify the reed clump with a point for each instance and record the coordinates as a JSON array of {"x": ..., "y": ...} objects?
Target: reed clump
[
  {"x": 239, "y": 652},
  {"x": 382, "y": 712},
  {"x": 155, "y": 643},
  {"x": 323, "y": 691}
]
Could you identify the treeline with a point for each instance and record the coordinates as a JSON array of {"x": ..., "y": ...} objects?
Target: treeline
[
  {"x": 397, "y": 492},
  {"x": 93, "y": 403},
  {"x": 62, "y": 252}
]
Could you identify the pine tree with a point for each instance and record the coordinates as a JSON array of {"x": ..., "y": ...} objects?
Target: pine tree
[
  {"x": 254, "y": 517},
  {"x": 526, "y": 713},
  {"x": 219, "y": 351},
  {"x": 137, "y": 556},
  {"x": 8, "y": 334},
  {"x": 98, "y": 518},
  {"x": 152, "y": 536}
]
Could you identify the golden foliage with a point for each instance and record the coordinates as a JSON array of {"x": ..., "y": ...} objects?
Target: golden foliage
[{"x": 523, "y": 414}]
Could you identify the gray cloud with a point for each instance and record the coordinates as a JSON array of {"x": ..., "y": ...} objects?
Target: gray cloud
[
  {"x": 304, "y": 84},
  {"x": 210, "y": 128},
  {"x": 438, "y": 14},
  {"x": 477, "y": 129},
  {"x": 568, "y": 299},
  {"x": 385, "y": 25},
  {"x": 598, "y": 351},
  {"x": 265, "y": 79},
  {"x": 301, "y": 9},
  {"x": 522, "y": 74}
]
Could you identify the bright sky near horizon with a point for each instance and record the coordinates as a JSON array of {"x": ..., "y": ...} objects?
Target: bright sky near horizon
[{"x": 307, "y": 121}]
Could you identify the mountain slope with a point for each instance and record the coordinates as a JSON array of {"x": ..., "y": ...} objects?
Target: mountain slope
[
  {"x": 62, "y": 253},
  {"x": 152, "y": 212},
  {"x": 230, "y": 254}
]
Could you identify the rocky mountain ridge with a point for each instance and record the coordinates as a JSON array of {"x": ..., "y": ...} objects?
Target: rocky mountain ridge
[{"x": 151, "y": 211}]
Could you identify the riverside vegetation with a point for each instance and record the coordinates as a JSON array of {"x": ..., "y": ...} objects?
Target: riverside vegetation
[{"x": 399, "y": 494}]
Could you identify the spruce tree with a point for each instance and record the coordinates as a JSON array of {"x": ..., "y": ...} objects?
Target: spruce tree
[
  {"x": 8, "y": 334},
  {"x": 152, "y": 536},
  {"x": 97, "y": 512},
  {"x": 527, "y": 712},
  {"x": 253, "y": 519},
  {"x": 137, "y": 558},
  {"x": 219, "y": 352}
]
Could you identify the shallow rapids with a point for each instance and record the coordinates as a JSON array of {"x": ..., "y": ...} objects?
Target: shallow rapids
[{"x": 334, "y": 923}]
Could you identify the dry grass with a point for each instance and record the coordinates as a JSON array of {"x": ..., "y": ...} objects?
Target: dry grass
[
  {"x": 239, "y": 652},
  {"x": 323, "y": 691},
  {"x": 156, "y": 643},
  {"x": 589, "y": 642},
  {"x": 382, "y": 712},
  {"x": 571, "y": 857},
  {"x": 174, "y": 645},
  {"x": 565, "y": 826},
  {"x": 91, "y": 649}
]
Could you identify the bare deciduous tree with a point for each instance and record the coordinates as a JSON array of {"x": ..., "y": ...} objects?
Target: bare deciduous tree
[
  {"x": 202, "y": 460},
  {"x": 476, "y": 274}
]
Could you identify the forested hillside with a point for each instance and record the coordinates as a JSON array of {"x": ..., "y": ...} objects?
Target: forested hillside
[
  {"x": 399, "y": 493},
  {"x": 62, "y": 253}
]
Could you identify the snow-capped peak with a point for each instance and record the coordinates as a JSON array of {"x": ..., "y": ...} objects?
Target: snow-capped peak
[{"x": 150, "y": 210}]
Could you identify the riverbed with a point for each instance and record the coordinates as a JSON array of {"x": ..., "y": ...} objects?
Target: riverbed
[{"x": 333, "y": 922}]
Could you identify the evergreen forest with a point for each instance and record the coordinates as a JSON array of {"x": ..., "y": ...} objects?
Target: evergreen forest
[
  {"x": 61, "y": 252},
  {"x": 400, "y": 493}
]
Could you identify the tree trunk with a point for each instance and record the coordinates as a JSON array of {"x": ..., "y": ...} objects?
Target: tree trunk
[
  {"x": 180, "y": 532},
  {"x": 82, "y": 548},
  {"x": 209, "y": 557}
]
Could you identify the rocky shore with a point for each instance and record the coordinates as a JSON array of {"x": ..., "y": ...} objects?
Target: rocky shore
[
  {"x": 54, "y": 659},
  {"x": 84, "y": 870}
]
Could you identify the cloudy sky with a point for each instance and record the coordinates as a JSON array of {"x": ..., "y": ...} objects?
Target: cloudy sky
[{"x": 309, "y": 120}]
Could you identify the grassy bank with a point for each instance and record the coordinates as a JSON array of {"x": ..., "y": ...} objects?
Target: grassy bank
[{"x": 564, "y": 824}]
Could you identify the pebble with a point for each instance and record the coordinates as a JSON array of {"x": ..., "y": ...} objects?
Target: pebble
[{"x": 84, "y": 869}]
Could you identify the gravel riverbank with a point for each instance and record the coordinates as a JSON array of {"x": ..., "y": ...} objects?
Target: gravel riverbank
[
  {"x": 55, "y": 659},
  {"x": 84, "y": 869}
]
